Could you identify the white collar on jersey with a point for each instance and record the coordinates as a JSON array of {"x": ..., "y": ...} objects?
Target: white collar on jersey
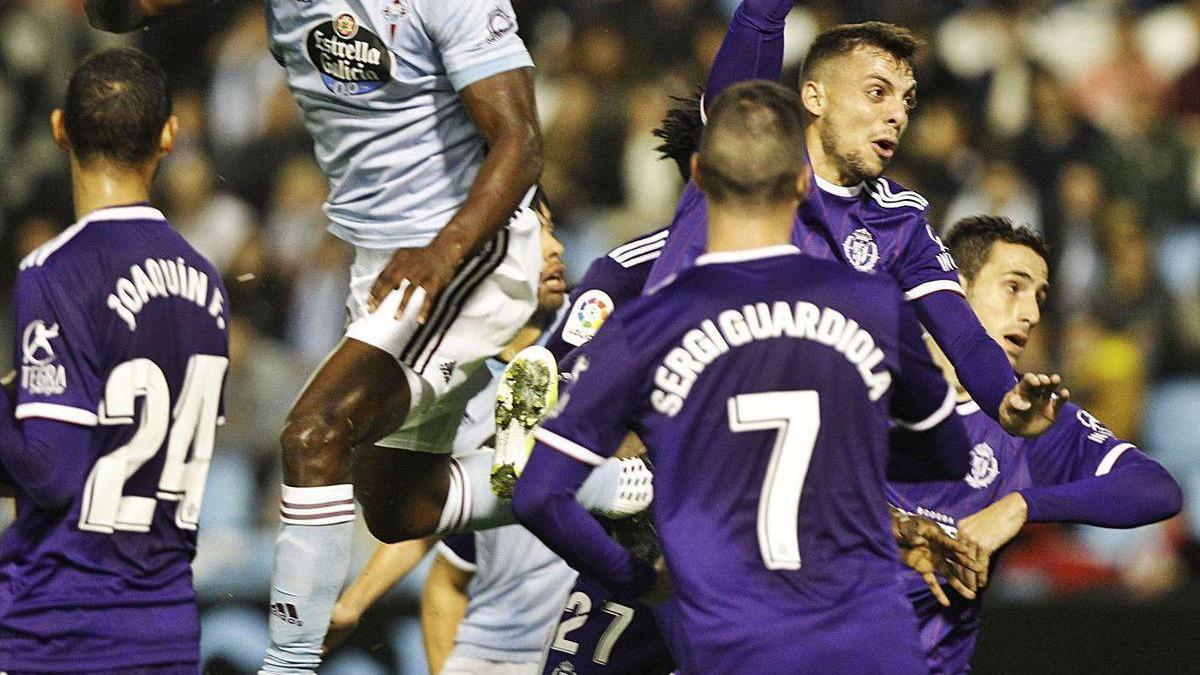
[
  {"x": 839, "y": 190},
  {"x": 136, "y": 212},
  {"x": 968, "y": 407},
  {"x": 747, "y": 254}
]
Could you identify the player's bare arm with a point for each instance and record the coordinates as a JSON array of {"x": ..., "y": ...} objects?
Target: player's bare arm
[
  {"x": 443, "y": 606},
  {"x": 996, "y": 524},
  {"x": 927, "y": 549},
  {"x": 120, "y": 16},
  {"x": 388, "y": 565},
  {"x": 503, "y": 110}
]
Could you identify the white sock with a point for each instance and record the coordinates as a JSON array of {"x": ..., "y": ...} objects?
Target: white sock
[
  {"x": 312, "y": 560},
  {"x": 617, "y": 488}
]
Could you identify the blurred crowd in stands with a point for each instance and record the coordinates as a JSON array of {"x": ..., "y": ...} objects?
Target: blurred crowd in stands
[{"x": 1081, "y": 119}]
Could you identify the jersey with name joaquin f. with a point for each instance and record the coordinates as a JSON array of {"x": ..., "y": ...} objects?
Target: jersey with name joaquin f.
[
  {"x": 762, "y": 383},
  {"x": 378, "y": 82},
  {"x": 875, "y": 227},
  {"x": 121, "y": 328}
]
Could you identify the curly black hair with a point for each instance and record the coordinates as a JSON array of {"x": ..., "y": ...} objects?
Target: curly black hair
[{"x": 680, "y": 131}]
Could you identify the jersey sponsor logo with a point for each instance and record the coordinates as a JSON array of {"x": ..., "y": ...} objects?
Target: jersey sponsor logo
[
  {"x": 984, "y": 467},
  {"x": 350, "y": 58},
  {"x": 588, "y": 313},
  {"x": 945, "y": 260},
  {"x": 861, "y": 250},
  {"x": 39, "y": 375},
  {"x": 1099, "y": 432}
]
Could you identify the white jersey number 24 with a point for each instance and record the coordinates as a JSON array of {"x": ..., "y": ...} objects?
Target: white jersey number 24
[{"x": 191, "y": 424}]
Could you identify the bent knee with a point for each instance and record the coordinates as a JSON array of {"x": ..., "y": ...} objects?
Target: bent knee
[{"x": 315, "y": 449}]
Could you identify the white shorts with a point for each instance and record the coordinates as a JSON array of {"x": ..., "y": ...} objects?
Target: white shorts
[
  {"x": 457, "y": 664},
  {"x": 474, "y": 318}
]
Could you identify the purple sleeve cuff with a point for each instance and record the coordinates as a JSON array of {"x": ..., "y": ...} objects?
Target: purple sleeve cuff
[
  {"x": 1138, "y": 491},
  {"x": 980, "y": 363},
  {"x": 544, "y": 502}
]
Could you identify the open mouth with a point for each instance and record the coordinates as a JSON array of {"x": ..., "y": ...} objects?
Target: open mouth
[
  {"x": 1015, "y": 342},
  {"x": 884, "y": 147},
  {"x": 554, "y": 279}
]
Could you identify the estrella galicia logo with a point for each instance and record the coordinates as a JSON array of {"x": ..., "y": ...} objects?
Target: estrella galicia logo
[
  {"x": 350, "y": 58},
  {"x": 861, "y": 250}
]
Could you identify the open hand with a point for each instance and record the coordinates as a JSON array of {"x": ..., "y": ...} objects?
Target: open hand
[
  {"x": 927, "y": 548},
  {"x": 1030, "y": 407},
  {"x": 428, "y": 267}
]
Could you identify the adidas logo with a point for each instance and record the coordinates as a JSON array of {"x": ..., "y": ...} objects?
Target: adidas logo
[{"x": 286, "y": 612}]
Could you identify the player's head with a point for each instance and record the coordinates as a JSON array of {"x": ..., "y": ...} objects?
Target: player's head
[
  {"x": 751, "y": 154},
  {"x": 680, "y": 133},
  {"x": 552, "y": 287},
  {"x": 1004, "y": 270},
  {"x": 117, "y": 112},
  {"x": 858, "y": 88}
]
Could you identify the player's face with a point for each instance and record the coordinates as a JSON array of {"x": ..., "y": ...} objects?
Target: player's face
[
  {"x": 868, "y": 97},
  {"x": 1007, "y": 295},
  {"x": 552, "y": 287}
]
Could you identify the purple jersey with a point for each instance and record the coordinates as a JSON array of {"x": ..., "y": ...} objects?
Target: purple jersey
[
  {"x": 876, "y": 227},
  {"x": 1077, "y": 447},
  {"x": 121, "y": 328},
  {"x": 762, "y": 385},
  {"x": 609, "y": 281}
]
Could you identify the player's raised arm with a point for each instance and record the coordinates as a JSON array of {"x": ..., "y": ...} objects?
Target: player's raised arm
[
  {"x": 497, "y": 91},
  {"x": 120, "y": 16},
  {"x": 752, "y": 48},
  {"x": 591, "y": 425}
]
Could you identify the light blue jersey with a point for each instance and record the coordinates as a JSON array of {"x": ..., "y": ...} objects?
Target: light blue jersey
[{"x": 378, "y": 82}]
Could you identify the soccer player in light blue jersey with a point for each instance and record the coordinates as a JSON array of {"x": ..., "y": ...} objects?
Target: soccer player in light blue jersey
[{"x": 423, "y": 116}]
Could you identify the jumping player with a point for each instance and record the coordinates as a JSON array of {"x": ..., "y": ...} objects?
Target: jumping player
[
  {"x": 712, "y": 355},
  {"x": 424, "y": 121},
  {"x": 1075, "y": 472},
  {"x": 122, "y": 351},
  {"x": 857, "y": 90}
]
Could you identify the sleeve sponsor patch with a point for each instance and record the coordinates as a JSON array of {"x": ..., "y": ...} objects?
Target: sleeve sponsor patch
[{"x": 587, "y": 314}]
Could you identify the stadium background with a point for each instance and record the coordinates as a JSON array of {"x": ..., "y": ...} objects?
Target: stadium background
[{"x": 1079, "y": 118}]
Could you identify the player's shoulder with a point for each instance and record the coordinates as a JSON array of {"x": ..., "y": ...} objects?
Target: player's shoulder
[
  {"x": 641, "y": 251},
  {"x": 887, "y": 195}
]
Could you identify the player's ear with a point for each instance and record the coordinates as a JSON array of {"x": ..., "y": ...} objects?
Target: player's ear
[
  {"x": 812, "y": 95},
  {"x": 166, "y": 140},
  {"x": 803, "y": 182},
  {"x": 58, "y": 129}
]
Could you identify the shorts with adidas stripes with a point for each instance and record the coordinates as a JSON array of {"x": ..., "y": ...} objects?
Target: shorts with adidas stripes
[{"x": 474, "y": 318}]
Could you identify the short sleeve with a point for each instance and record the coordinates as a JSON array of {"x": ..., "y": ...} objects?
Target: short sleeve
[
  {"x": 596, "y": 412},
  {"x": 459, "y": 550},
  {"x": 1076, "y": 446},
  {"x": 922, "y": 397},
  {"x": 476, "y": 39},
  {"x": 925, "y": 265},
  {"x": 56, "y": 359}
]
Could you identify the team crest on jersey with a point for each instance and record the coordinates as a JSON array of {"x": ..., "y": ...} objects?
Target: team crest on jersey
[
  {"x": 39, "y": 374},
  {"x": 564, "y": 668},
  {"x": 350, "y": 58},
  {"x": 587, "y": 315},
  {"x": 984, "y": 467},
  {"x": 395, "y": 10},
  {"x": 861, "y": 250},
  {"x": 500, "y": 24}
]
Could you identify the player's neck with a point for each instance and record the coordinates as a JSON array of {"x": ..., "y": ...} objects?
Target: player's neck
[
  {"x": 825, "y": 166},
  {"x": 101, "y": 184},
  {"x": 736, "y": 229}
]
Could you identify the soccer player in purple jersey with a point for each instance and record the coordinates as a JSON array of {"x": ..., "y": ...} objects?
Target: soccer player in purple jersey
[
  {"x": 1075, "y": 472},
  {"x": 733, "y": 375},
  {"x": 122, "y": 350},
  {"x": 857, "y": 89}
]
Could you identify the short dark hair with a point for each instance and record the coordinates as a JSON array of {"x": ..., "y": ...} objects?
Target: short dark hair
[
  {"x": 839, "y": 40},
  {"x": 752, "y": 149},
  {"x": 117, "y": 103},
  {"x": 970, "y": 241},
  {"x": 680, "y": 132}
]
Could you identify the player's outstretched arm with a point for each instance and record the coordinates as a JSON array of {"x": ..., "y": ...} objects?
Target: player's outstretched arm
[
  {"x": 387, "y": 566},
  {"x": 753, "y": 46},
  {"x": 503, "y": 109},
  {"x": 982, "y": 368},
  {"x": 120, "y": 16},
  {"x": 443, "y": 606}
]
